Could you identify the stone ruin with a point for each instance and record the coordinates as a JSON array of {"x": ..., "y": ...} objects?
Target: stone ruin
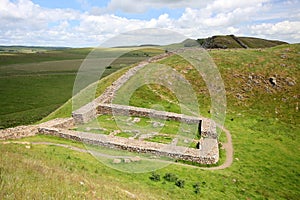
[{"x": 207, "y": 153}]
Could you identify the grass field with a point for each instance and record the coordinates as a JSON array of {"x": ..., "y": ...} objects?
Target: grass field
[
  {"x": 35, "y": 84},
  {"x": 263, "y": 121}
]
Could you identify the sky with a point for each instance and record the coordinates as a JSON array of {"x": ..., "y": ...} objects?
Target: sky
[{"x": 89, "y": 23}]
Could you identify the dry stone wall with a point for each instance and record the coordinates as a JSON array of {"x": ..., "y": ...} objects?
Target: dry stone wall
[
  {"x": 209, "y": 153},
  {"x": 18, "y": 132},
  {"x": 31, "y": 130},
  {"x": 102, "y": 105},
  {"x": 109, "y": 93},
  {"x": 208, "y": 127},
  {"x": 91, "y": 110}
]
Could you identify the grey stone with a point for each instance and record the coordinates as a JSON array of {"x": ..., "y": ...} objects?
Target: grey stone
[
  {"x": 117, "y": 161},
  {"x": 127, "y": 160},
  {"x": 136, "y": 159}
]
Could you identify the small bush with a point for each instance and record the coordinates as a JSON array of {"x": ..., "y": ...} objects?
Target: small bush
[
  {"x": 180, "y": 183},
  {"x": 170, "y": 177},
  {"x": 155, "y": 177},
  {"x": 197, "y": 188}
]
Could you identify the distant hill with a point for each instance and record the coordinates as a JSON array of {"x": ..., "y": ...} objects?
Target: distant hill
[
  {"x": 214, "y": 42},
  {"x": 28, "y": 49},
  {"x": 231, "y": 41}
]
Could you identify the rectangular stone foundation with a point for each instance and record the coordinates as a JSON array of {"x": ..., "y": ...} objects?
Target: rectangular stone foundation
[
  {"x": 209, "y": 154},
  {"x": 91, "y": 110}
]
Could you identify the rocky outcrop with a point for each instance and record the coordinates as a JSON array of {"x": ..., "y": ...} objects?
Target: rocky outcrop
[{"x": 239, "y": 41}]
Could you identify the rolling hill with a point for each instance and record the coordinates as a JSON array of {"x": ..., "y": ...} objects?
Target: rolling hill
[
  {"x": 262, "y": 91},
  {"x": 231, "y": 41}
]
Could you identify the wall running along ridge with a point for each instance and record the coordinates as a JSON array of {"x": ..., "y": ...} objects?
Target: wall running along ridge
[
  {"x": 208, "y": 154},
  {"x": 102, "y": 105},
  {"x": 32, "y": 130}
]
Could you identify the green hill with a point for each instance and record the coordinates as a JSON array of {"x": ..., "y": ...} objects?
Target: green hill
[
  {"x": 262, "y": 117},
  {"x": 231, "y": 41}
]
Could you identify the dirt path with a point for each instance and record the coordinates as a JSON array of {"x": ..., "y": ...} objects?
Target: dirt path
[
  {"x": 227, "y": 146},
  {"x": 229, "y": 152}
]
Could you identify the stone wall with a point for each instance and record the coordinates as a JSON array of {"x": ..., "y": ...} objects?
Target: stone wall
[
  {"x": 87, "y": 112},
  {"x": 31, "y": 130},
  {"x": 209, "y": 153},
  {"x": 18, "y": 132},
  {"x": 108, "y": 94},
  {"x": 102, "y": 105},
  {"x": 208, "y": 127},
  {"x": 90, "y": 111}
]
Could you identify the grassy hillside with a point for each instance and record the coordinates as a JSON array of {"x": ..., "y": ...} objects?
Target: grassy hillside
[
  {"x": 35, "y": 84},
  {"x": 231, "y": 41},
  {"x": 263, "y": 120}
]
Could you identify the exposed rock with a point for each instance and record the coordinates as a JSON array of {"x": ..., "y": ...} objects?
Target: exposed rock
[
  {"x": 174, "y": 141},
  {"x": 136, "y": 131},
  {"x": 127, "y": 160},
  {"x": 239, "y": 96},
  {"x": 136, "y": 159},
  {"x": 157, "y": 124},
  {"x": 272, "y": 80},
  {"x": 186, "y": 141},
  {"x": 283, "y": 56},
  {"x": 290, "y": 82},
  {"x": 115, "y": 132},
  {"x": 136, "y": 120},
  {"x": 282, "y": 65},
  {"x": 148, "y": 135},
  {"x": 117, "y": 161}
]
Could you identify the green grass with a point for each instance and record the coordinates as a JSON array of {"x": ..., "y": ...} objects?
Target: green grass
[
  {"x": 166, "y": 130},
  {"x": 50, "y": 55},
  {"x": 44, "y": 170},
  {"x": 33, "y": 85},
  {"x": 27, "y": 99},
  {"x": 259, "y": 43},
  {"x": 227, "y": 41},
  {"x": 264, "y": 125},
  {"x": 125, "y": 135},
  {"x": 160, "y": 139}
]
